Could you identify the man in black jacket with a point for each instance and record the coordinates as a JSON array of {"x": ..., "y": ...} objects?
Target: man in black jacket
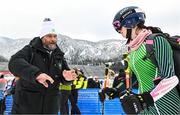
[{"x": 40, "y": 67}]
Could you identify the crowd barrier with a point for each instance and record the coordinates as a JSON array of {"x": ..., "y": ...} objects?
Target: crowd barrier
[{"x": 88, "y": 103}]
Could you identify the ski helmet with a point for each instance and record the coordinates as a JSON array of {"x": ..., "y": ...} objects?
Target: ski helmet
[{"x": 128, "y": 17}]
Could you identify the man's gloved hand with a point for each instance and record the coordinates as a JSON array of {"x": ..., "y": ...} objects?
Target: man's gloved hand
[
  {"x": 135, "y": 103},
  {"x": 113, "y": 93},
  {"x": 102, "y": 96}
]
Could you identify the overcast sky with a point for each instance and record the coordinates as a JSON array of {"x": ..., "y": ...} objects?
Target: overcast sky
[{"x": 82, "y": 19}]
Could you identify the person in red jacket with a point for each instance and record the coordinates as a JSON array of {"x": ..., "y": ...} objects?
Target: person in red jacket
[{"x": 3, "y": 83}]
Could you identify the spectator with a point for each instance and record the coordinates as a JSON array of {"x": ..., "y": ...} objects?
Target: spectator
[
  {"x": 71, "y": 92},
  {"x": 94, "y": 83},
  {"x": 98, "y": 82},
  {"x": 109, "y": 78},
  {"x": 65, "y": 92},
  {"x": 80, "y": 83},
  {"x": 3, "y": 83}
]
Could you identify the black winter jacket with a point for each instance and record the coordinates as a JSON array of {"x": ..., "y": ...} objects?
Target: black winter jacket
[{"x": 34, "y": 59}]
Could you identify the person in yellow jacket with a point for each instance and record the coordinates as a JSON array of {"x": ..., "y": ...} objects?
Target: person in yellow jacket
[
  {"x": 80, "y": 83},
  {"x": 71, "y": 92},
  {"x": 65, "y": 91}
]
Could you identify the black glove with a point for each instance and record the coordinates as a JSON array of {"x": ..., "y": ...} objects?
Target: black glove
[
  {"x": 113, "y": 93},
  {"x": 135, "y": 103}
]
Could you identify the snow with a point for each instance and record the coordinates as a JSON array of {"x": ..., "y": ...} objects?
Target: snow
[{"x": 73, "y": 48}]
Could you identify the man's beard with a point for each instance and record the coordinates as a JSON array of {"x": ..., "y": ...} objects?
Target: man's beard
[{"x": 51, "y": 47}]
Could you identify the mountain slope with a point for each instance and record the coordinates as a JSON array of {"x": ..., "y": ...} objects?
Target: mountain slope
[{"x": 78, "y": 51}]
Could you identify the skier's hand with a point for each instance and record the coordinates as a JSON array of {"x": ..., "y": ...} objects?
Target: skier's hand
[
  {"x": 44, "y": 79},
  {"x": 113, "y": 93},
  {"x": 135, "y": 103}
]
